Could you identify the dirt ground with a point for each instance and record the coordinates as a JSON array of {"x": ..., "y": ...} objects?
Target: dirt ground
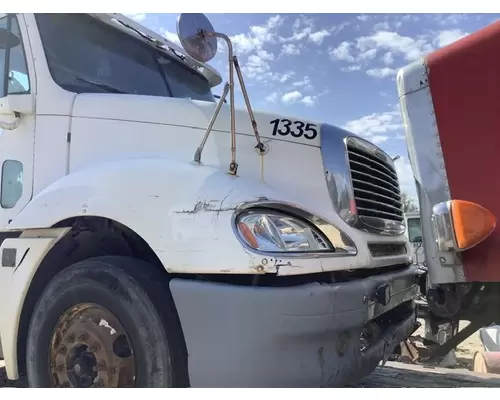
[{"x": 465, "y": 351}]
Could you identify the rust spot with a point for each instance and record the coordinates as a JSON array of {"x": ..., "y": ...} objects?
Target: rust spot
[{"x": 259, "y": 269}]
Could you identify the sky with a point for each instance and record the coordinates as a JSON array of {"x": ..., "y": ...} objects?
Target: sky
[{"x": 333, "y": 68}]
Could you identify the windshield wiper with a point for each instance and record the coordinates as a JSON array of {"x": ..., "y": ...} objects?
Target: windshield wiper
[
  {"x": 103, "y": 86},
  {"x": 156, "y": 42}
]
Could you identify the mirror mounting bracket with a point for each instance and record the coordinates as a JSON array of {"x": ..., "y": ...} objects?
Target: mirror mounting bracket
[
  {"x": 192, "y": 44},
  {"x": 234, "y": 65}
]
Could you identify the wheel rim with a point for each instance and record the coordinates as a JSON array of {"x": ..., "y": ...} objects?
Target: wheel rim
[{"x": 90, "y": 348}]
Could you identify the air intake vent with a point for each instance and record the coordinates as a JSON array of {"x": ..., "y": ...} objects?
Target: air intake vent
[{"x": 374, "y": 182}]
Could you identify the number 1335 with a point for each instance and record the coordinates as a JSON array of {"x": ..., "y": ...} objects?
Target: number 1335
[{"x": 285, "y": 127}]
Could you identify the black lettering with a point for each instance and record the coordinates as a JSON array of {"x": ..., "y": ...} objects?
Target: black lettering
[
  {"x": 309, "y": 131},
  {"x": 311, "y": 128},
  {"x": 286, "y": 124},
  {"x": 275, "y": 122}
]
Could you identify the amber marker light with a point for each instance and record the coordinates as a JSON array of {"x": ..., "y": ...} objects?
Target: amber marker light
[
  {"x": 248, "y": 235},
  {"x": 472, "y": 223}
]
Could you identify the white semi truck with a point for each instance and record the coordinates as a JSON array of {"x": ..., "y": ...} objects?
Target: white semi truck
[{"x": 152, "y": 236}]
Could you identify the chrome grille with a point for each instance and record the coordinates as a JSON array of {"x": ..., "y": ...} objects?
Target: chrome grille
[{"x": 374, "y": 182}]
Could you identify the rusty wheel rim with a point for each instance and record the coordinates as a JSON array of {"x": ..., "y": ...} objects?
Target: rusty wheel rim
[{"x": 90, "y": 348}]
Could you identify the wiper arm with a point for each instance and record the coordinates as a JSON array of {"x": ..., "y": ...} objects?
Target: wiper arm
[
  {"x": 103, "y": 86},
  {"x": 157, "y": 43}
]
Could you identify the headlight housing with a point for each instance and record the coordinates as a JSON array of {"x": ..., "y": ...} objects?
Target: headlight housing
[{"x": 275, "y": 232}]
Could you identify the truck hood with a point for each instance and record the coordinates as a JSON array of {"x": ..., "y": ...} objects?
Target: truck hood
[
  {"x": 305, "y": 163},
  {"x": 196, "y": 115}
]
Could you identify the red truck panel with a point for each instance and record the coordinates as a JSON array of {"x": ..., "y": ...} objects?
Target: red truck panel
[{"x": 464, "y": 80}]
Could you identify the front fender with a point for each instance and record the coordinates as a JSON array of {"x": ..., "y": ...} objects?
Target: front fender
[{"x": 182, "y": 211}]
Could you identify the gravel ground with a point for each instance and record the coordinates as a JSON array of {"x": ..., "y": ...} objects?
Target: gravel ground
[{"x": 465, "y": 351}]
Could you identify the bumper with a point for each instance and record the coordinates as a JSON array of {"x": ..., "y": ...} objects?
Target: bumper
[{"x": 301, "y": 336}]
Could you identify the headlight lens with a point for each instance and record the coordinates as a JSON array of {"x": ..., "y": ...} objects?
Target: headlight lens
[{"x": 274, "y": 232}]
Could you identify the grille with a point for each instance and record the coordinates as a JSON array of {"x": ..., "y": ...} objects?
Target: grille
[
  {"x": 386, "y": 249},
  {"x": 375, "y": 184}
]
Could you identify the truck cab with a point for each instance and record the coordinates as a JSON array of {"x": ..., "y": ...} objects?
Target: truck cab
[{"x": 128, "y": 262}]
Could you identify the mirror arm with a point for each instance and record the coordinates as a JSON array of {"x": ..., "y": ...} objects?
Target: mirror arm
[
  {"x": 197, "y": 154},
  {"x": 260, "y": 146},
  {"x": 9, "y": 126},
  {"x": 203, "y": 50},
  {"x": 233, "y": 167},
  {"x": 233, "y": 63}
]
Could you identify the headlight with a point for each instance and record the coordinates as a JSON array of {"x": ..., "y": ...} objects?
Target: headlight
[{"x": 274, "y": 232}]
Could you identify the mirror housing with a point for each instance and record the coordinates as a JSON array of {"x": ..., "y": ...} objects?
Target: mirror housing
[
  {"x": 417, "y": 239},
  {"x": 192, "y": 30}
]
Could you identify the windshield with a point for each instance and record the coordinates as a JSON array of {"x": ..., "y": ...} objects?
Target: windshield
[
  {"x": 414, "y": 230},
  {"x": 86, "y": 55}
]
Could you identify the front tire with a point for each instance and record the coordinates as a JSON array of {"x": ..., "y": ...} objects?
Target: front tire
[{"x": 106, "y": 322}]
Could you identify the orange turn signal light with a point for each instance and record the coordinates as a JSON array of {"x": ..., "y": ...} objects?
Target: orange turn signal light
[
  {"x": 472, "y": 223},
  {"x": 248, "y": 235}
]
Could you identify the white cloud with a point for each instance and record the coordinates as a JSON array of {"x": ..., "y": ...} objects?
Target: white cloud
[
  {"x": 286, "y": 76},
  {"x": 271, "y": 98},
  {"x": 449, "y": 19},
  {"x": 170, "y": 36},
  {"x": 367, "y": 55},
  {"x": 290, "y": 49},
  {"x": 381, "y": 26},
  {"x": 444, "y": 38},
  {"x": 291, "y": 97},
  {"x": 410, "y": 48},
  {"x": 388, "y": 46},
  {"x": 244, "y": 43},
  {"x": 265, "y": 55},
  {"x": 306, "y": 82},
  {"x": 303, "y": 20},
  {"x": 377, "y": 127},
  {"x": 410, "y": 17},
  {"x": 294, "y": 97},
  {"x": 309, "y": 100},
  {"x": 319, "y": 36},
  {"x": 351, "y": 68},
  {"x": 363, "y": 17},
  {"x": 256, "y": 67},
  {"x": 381, "y": 72},
  {"x": 258, "y": 35},
  {"x": 303, "y": 28},
  {"x": 342, "y": 52},
  {"x": 384, "y": 46},
  {"x": 136, "y": 16},
  {"x": 405, "y": 176},
  {"x": 388, "y": 58}
]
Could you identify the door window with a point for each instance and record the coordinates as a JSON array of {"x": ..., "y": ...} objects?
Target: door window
[
  {"x": 12, "y": 183},
  {"x": 15, "y": 79}
]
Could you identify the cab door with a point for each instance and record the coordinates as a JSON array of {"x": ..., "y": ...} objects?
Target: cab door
[{"x": 17, "y": 117}]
